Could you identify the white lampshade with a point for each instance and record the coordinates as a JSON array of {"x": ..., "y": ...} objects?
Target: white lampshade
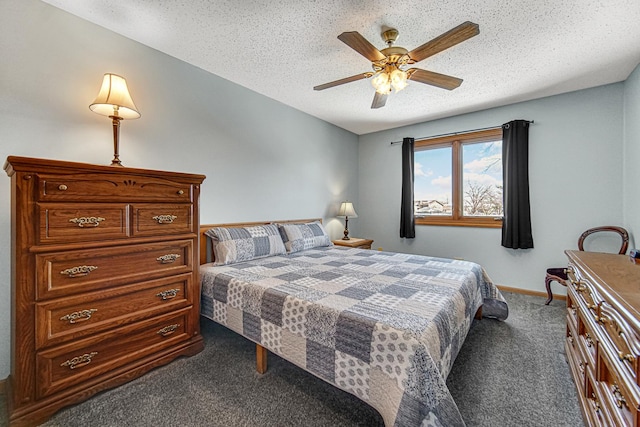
[
  {"x": 382, "y": 83},
  {"x": 398, "y": 79},
  {"x": 391, "y": 76},
  {"x": 114, "y": 99},
  {"x": 347, "y": 210}
]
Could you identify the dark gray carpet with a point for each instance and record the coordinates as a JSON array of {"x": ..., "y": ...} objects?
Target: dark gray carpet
[{"x": 511, "y": 373}]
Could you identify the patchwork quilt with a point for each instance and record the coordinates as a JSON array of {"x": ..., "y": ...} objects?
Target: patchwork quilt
[{"x": 383, "y": 326}]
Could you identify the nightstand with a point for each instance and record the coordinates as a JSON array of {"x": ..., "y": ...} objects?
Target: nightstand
[{"x": 354, "y": 242}]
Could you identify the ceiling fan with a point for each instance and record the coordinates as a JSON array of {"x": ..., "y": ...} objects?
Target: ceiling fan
[{"x": 390, "y": 65}]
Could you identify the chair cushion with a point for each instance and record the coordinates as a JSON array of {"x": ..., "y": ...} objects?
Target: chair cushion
[{"x": 558, "y": 272}]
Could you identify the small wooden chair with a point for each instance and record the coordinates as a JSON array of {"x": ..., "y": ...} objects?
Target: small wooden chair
[{"x": 560, "y": 274}]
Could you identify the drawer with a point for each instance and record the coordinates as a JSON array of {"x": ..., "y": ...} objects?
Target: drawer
[
  {"x": 160, "y": 219},
  {"x": 587, "y": 338},
  {"x": 572, "y": 308},
  {"x": 594, "y": 403},
  {"x": 62, "y": 320},
  {"x": 587, "y": 296},
  {"x": 64, "y": 366},
  {"x": 621, "y": 339},
  {"x": 70, "y": 272},
  {"x": 576, "y": 360},
  {"x": 82, "y": 222},
  {"x": 111, "y": 188},
  {"x": 619, "y": 397}
]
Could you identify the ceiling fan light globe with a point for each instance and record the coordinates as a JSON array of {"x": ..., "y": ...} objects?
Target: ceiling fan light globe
[
  {"x": 382, "y": 83},
  {"x": 398, "y": 79},
  {"x": 384, "y": 89}
]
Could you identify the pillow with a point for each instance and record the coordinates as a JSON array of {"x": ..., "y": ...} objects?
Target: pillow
[
  {"x": 298, "y": 237},
  {"x": 231, "y": 245}
]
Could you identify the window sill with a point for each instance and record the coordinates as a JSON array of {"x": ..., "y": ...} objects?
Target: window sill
[{"x": 467, "y": 222}]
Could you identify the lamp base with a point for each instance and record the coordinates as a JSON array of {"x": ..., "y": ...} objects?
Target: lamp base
[
  {"x": 346, "y": 228},
  {"x": 116, "y": 140}
]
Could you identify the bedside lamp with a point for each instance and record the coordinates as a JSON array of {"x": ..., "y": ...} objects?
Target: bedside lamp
[
  {"x": 114, "y": 101},
  {"x": 346, "y": 210}
]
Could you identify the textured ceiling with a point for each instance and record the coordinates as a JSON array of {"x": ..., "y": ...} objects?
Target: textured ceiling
[{"x": 526, "y": 49}]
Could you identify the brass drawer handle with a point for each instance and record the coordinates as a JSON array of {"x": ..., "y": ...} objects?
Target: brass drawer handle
[
  {"x": 78, "y": 316},
  {"x": 62, "y": 187},
  {"x": 86, "y": 221},
  {"x": 164, "y": 219},
  {"x": 589, "y": 340},
  {"x": 180, "y": 192},
  {"x": 628, "y": 357},
  {"x": 79, "y": 361},
  {"x": 168, "y": 330},
  {"x": 620, "y": 400},
  {"x": 595, "y": 401},
  {"x": 79, "y": 271},
  {"x": 168, "y": 258},
  {"x": 168, "y": 294}
]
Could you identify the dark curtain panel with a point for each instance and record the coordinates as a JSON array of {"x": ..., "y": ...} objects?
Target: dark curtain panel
[
  {"x": 516, "y": 226},
  {"x": 407, "y": 221}
]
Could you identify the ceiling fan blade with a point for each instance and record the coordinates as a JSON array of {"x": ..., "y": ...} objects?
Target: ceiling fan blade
[
  {"x": 456, "y": 35},
  {"x": 343, "y": 81},
  {"x": 379, "y": 100},
  {"x": 355, "y": 41},
  {"x": 434, "y": 79}
]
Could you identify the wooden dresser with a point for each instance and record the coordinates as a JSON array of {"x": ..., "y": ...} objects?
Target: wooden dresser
[
  {"x": 603, "y": 336},
  {"x": 104, "y": 279}
]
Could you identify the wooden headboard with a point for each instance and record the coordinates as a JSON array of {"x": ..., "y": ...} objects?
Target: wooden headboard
[{"x": 204, "y": 240}]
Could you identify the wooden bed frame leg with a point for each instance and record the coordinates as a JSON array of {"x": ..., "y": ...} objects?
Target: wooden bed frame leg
[
  {"x": 261, "y": 359},
  {"x": 478, "y": 315}
]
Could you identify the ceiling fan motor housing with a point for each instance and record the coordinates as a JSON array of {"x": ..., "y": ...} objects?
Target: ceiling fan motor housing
[{"x": 390, "y": 36}]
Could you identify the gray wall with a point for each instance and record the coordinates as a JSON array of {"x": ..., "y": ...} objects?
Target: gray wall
[
  {"x": 631, "y": 183},
  {"x": 575, "y": 161},
  {"x": 262, "y": 160}
]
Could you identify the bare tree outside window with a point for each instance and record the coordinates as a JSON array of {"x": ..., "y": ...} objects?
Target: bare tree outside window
[
  {"x": 482, "y": 175},
  {"x": 482, "y": 199}
]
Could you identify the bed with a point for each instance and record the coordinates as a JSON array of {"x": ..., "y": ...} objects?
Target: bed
[{"x": 385, "y": 327}]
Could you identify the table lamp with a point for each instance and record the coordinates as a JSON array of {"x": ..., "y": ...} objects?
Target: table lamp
[
  {"x": 114, "y": 101},
  {"x": 346, "y": 210}
]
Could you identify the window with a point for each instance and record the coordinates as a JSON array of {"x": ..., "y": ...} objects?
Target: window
[{"x": 458, "y": 179}]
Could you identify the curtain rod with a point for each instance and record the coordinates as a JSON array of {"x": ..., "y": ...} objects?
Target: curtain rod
[{"x": 457, "y": 133}]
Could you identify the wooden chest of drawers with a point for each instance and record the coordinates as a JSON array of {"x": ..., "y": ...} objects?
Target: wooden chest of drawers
[
  {"x": 105, "y": 279},
  {"x": 603, "y": 336}
]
